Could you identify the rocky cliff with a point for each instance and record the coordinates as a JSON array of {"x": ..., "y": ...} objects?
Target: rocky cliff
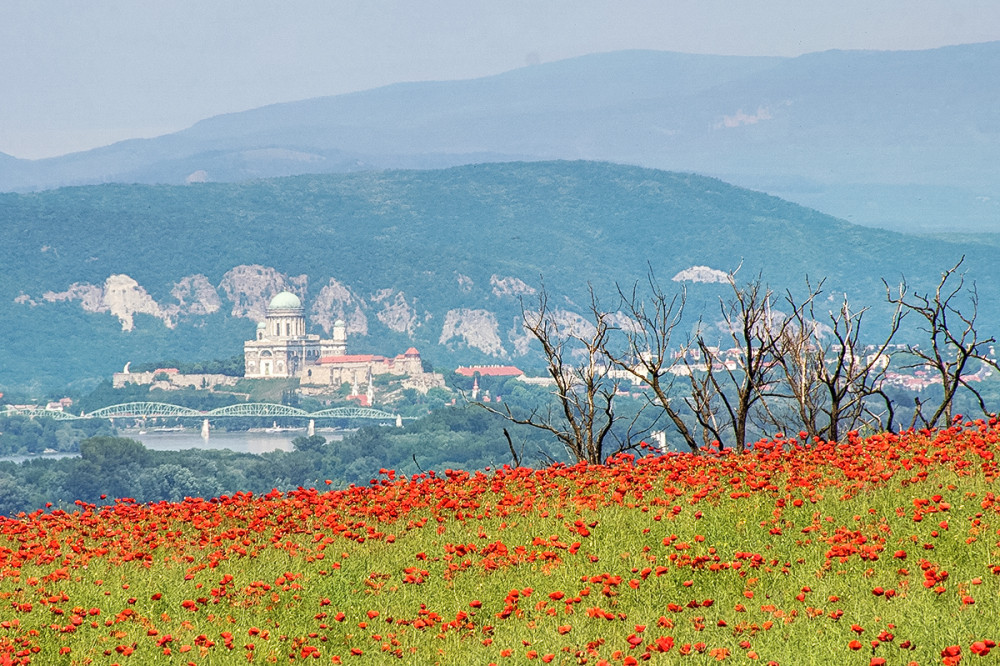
[{"x": 246, "y": 290}]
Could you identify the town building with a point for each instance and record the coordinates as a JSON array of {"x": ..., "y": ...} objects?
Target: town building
[
  {"x": 489, "y": 371},
  {"x": 282, "y": 348}
]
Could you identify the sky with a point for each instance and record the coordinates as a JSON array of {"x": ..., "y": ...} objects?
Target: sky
[{"x": 77, "y": 75}]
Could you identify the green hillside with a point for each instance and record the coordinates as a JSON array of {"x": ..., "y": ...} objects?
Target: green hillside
[{"x": 436, "y": 237}]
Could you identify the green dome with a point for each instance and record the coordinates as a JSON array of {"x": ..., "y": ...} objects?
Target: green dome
[{"x": 286, "y": 300}]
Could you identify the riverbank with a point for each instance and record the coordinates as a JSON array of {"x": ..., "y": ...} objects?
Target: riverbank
[{"x": 250, "y": 441}]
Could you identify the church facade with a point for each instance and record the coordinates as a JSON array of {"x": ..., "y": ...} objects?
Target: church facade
[{"x": 281, "y": 348}]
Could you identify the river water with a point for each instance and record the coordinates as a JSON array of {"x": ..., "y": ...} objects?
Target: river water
[{"x": 241, "y": 442}]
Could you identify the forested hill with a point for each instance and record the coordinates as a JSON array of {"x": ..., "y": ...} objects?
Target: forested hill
[{"x": 92, "y": 277}]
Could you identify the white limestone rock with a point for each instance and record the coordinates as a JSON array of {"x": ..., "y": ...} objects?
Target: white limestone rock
[
  {"x": 396, "y": 314},
  {"x": 338, "y": 301},
  {"x": 702, "y": 274},
  {"x": 121, "y": 296},
  {"x": 195, "y": 295},
  {"x": 511, "y": 287},
  {"x": 250, "y": 288},
  {"x": 478, "y": 329}
]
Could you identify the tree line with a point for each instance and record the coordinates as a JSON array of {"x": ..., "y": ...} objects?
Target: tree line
[
  {"x": 109, "y": 466},
  {"x": 231, "y": 367},
  {"x": 766, "y": 362}
]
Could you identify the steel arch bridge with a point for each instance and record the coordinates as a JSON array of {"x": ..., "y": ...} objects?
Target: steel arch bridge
[
  {"x": 255, "y": 409},
  {"x": 141, "y": 410},
  {"x": 38, "y": 411}
]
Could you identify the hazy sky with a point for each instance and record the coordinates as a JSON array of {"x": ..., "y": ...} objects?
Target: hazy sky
[{"x": 75, "y": 75}]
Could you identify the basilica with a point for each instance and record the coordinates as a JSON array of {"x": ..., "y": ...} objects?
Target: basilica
[{"x": 283, "y": 349}]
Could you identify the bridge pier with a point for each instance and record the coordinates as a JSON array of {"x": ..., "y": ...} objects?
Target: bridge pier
[{"x": 204, "y": 429}]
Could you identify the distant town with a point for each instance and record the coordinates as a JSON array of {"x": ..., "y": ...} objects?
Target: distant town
[{"x": 281, "y": 349}]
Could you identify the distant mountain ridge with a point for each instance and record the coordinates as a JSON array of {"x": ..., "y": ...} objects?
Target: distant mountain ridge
[
  {"x": 842, "y": 130},
  {"x": 438, "y": 259}
]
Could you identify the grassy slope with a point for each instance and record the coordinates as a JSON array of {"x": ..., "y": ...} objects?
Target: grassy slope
[{"x": 785, "y": 557}]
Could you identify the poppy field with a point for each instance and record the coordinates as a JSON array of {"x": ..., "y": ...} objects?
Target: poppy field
[{"x": 879, "y": 550}]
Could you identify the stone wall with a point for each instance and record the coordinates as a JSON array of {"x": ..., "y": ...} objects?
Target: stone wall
[{"x": 174, "y": 380}]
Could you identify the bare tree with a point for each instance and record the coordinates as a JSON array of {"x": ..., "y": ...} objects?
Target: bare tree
[
  {"x": 728, "y": 386},
  {"x": 954, "y": 339},
  {"x": 835, "y": 380},
  {"x": 754, "y": 368},
  {"x": 646, "y": 356},
  {"x": 583, "y": 412}
]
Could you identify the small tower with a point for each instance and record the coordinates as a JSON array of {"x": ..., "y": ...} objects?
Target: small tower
[{"x": 339, "y": 338}]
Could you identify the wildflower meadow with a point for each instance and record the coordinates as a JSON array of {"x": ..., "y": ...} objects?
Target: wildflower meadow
[{"x": 878, "y": 550}]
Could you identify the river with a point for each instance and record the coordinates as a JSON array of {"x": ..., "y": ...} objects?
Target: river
[{"x": 241, "y": 442}]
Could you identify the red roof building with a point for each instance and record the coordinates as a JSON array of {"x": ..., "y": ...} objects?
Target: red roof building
[
  {"x": 351, "y": 358},
  {"x": 356, "y": 368},
  {"x": 490, "y": 371}
]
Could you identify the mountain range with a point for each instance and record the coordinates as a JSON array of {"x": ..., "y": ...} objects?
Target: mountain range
[
  {"x": 905, "y": 139},
  {"x": 93, "y": 277}
]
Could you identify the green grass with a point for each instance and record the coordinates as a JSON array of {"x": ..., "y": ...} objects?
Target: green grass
[{"x": 775, "y": 556}]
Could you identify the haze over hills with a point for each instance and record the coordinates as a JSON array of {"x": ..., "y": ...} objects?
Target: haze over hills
[
  {"x": 437, "y": 259},
  {"x": 906, "y": 140}
]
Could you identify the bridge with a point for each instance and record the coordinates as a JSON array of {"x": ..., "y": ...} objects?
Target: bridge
[{"x": 145, "y": 410}]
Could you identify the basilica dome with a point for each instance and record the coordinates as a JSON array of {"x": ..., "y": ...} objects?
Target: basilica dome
[{"x": 286, "y": 300}]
